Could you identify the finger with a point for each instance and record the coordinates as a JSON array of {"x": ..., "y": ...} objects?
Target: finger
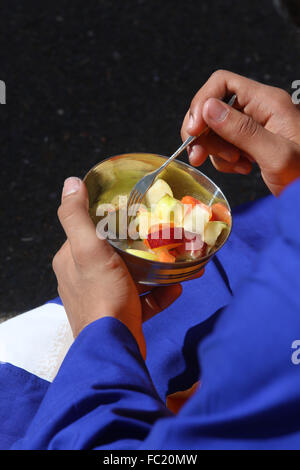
[
  {"x": 212, "y": 144},
  {"x": 209, "y": 143},
  {"x": 250, "y": 94},
  {"x": 142, "y": 289},
  {"x": 77, "y": 224},
  {"x": 200, "y": 154},
  {"x": 159, "y": 299},
  {"x": 243, "y": 165},
  {"x": 197, "y": 154},
  {"x": 241, "y": 130}
]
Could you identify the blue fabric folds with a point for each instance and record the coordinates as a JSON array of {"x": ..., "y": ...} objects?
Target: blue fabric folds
[
  {"x": 21, "y": 394},
  {"x": 233, "y": 328}
]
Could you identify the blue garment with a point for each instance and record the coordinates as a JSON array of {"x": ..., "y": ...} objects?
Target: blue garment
[{"x": 234, "y": 328}]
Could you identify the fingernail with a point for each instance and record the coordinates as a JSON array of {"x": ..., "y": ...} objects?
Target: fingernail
[
  {"x": 71, "y": 185},
  {"x": 216, "y": 110}
]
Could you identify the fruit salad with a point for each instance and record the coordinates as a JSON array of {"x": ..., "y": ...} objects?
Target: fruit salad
[{"x": 169, "y": 230}]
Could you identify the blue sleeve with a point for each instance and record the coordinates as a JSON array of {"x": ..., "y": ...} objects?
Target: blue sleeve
[
  {"x": 249, "y": 397},
  {"x": 250, "y": 361},
  {"x": 102, "y": 396}
]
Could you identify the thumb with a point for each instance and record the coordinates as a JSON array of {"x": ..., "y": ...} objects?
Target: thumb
[
  {"x": 241, "y": 130},
  {"x": 77, "y": 224}
]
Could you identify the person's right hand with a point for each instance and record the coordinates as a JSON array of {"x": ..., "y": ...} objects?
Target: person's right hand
[{"x": 265, "y": 128}]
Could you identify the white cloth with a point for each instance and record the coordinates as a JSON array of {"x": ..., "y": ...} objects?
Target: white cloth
[{"x": 37, "y": 340}]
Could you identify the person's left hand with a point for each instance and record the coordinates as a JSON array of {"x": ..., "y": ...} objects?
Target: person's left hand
[{"x": 93, "y": 281}]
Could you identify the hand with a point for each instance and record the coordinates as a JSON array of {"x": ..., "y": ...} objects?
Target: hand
[
  {"x": 93, "y": 281},
  {"x": 264, "y": 129}
]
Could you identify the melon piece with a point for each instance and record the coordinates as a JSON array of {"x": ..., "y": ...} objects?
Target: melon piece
[{"x": 221, "y": 213}]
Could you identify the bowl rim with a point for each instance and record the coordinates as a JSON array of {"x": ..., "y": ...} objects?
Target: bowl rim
[{"x": 190, "y": 167}]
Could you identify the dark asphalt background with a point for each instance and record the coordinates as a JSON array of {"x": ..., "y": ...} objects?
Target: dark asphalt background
[{"x": 87, "y": 80}]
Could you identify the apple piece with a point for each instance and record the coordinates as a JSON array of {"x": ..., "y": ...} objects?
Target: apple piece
[
  {"x": 196, "y": 220},
  {"x": 157, "y": 191},
  {"x": 212, "y": 232},
  {"x": 143, "y": 223},
  {"x": 169, "y": 210},
  {"x": 166, "y": 235},
  {"x": 156, "y": 227},
  {"x": 185, "y": 245},
  {"x": 142, "y": 254},
  {"x": 220, "y": 213}
]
